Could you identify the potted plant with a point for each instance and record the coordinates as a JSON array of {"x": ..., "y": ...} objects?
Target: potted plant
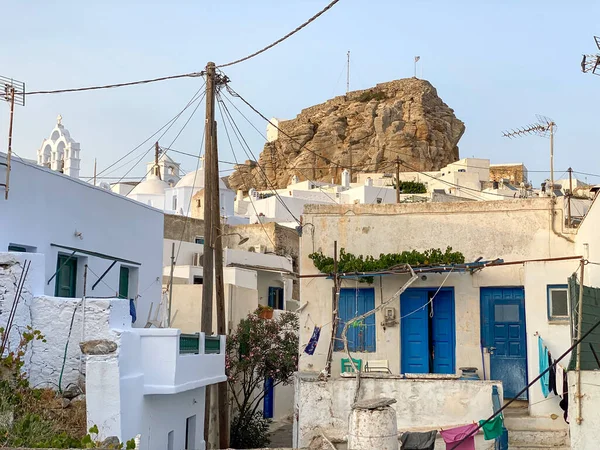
[{"x": 264, "y": 312}]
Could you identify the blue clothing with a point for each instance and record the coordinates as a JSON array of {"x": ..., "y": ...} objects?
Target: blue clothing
[
  {"x": 312, "y": 343},
  {"x": 132, "y": 310},
  {"x": 543, "y": 360}
]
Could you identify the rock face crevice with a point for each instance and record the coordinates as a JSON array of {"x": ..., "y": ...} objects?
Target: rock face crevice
[{"x": 366, "y": 130}]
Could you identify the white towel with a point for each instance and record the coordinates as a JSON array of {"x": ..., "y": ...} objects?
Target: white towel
[{"x": 560, "y": 388}]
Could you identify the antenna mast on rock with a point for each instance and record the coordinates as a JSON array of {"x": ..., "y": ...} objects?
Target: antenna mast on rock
[
  {"x": 544, "y": 127},
  {"x": 348, "y": 74}
]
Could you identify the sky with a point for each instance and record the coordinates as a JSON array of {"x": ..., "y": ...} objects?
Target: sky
[{"x": 496, "y": 63}]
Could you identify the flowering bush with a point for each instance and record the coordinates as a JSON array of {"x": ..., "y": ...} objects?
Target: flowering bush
[{"x": 259, "y": 349}]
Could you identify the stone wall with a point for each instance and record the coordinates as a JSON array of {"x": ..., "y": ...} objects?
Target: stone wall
[
  {"x": 183, "y": 228},
  {"x": 516, "y": 173}
]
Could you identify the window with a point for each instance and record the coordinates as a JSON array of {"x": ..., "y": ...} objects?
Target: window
[
  {"x": 174, "y": 202},
  {"x": 198, "y": 279},
  {"x": 16, "y": 248},
  {"x": 190, "y": 433},
  {"x": 360, "y": 335},
  {"x": 198, "y": 203},
  {"x": 66, "y": 276},
  {"x": 379, "y": 200},
  {"x": 276, "y": 298},
  {"x": 124, "y": 282},
  {"x": 558, "y": 302},
  {"x": 199, "y": 240}
]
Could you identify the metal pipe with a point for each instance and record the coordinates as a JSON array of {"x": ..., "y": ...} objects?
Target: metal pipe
[{"x": 579, "y": 324}]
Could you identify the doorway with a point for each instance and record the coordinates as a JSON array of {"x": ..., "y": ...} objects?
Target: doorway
[{"x": 503, "y": 334}]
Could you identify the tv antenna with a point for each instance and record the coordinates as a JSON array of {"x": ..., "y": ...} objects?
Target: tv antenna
[
  {"x": 591, "y": 63},
  {"x": 544, "y": 127}
]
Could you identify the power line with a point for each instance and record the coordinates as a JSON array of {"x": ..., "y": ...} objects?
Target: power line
[
  {"x": 239, "y": 135},
  {"x": 110, "y": 86},
  {"x": 287, "y": 160},
  {"x": 312, "y": 19},
  {"x": 176, "y": 137},
  {"x": 168, "y": 124}
]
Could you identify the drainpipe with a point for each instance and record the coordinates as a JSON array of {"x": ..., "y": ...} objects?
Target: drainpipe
[
  {"x": 552, "y": 213},
  {"x": 579, "y": 323}
]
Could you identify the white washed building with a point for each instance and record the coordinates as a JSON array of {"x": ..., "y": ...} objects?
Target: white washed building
[{"x": 469, "y": 309}]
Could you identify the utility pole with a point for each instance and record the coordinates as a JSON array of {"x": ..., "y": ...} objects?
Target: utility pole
[
  {"x": 569, "y": 197},
  {"x": 208, "y": 256},
  {"x": 10, "y": 129},
  {"x": 551, "y": 126},
  {"x": 171, "y": 282},
  {"x": 397, "y": 179},
  {"x": 156, "y": 166},
  {"x": 348, "y": 74},
  {"x": 215, "y": 205},
  {"x": 95, "y": 166}
]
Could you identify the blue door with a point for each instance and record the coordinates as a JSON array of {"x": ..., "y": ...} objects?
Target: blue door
[
  {"x": 427, "y": 331},
  {"x": 414, "y": 332},
  {"x": 268, "y": 399},
  {"x": 503, "y": 333},
  {"x": 442, "y": 333}
]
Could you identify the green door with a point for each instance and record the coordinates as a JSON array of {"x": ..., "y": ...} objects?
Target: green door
[
  {"x": 66, "y": 278},
  {"x": 124, "y": 282}
]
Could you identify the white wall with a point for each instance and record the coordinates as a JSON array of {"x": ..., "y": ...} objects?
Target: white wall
[
  {"x": 584, "y": 435},
  {"x": 324, "y": 407},
  {"x": 46, "y": 207}
]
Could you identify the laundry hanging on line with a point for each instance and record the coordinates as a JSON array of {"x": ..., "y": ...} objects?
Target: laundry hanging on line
[
  {"x": 543, "y": 365},
  {"x": 312, "y": 342},
  {"x": 560, "y": 371},
  {"x": 492, "y": 429},
  {"x": 454, "y": 436},
  {"x": 418, "y": 440}
]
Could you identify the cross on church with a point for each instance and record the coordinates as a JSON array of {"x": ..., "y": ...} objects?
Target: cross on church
[{"x": 59, "y": 120}]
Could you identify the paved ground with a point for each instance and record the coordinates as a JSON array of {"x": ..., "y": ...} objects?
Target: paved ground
[{"x": 281, "y": 435}]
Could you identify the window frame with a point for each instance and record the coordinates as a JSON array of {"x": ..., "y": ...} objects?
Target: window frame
[
  {"x": 557, "y": 287},
  {"x": 197, "y": 238}
]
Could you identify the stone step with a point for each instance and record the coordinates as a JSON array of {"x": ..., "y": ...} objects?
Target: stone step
[
  {"x": 529, "y": 423},
  {"x": 549, "y": 439}
]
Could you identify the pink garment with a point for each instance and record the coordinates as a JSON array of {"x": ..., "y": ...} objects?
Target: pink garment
[{"x": 455, "y": 435}]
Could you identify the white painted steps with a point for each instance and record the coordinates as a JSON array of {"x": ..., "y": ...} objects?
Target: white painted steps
[{"x": 534, "y": 433}]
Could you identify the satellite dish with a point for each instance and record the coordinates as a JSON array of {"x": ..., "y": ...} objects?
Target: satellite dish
[{"x": 105, "y": 185}]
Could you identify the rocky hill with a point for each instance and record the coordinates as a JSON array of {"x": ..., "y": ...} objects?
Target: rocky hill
[{"x": 365, "y": 130}]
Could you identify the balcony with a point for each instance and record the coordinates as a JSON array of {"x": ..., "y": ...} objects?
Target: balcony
[{"x": 175, "y": 363}]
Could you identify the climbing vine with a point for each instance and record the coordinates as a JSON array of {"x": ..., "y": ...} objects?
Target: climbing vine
[{"x": 349, "y": 263}]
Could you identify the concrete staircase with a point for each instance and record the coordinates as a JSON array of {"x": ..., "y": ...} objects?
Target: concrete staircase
[{"x": 535, "y": 433}]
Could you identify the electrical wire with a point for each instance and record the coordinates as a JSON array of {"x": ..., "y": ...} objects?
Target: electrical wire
[
  {"x": 287, "y": 160},
  {"x": 278, "y": 41},
  {"x": 193, "y": 99},
  {"x": 166, "y": 151},
  {"x": 248, "y": 151},
  {"x": 235, "y": 157},
  {"x": 110, "y": 86}
]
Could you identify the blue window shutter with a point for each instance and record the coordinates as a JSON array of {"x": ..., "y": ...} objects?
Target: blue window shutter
[
  {"x": 353, "y": 303},
  {"x": 414, "y": 331},
  {"x": 268, "y": 399}
]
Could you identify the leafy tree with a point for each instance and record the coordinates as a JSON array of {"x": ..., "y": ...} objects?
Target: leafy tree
[{"x": 258, "y": 350}]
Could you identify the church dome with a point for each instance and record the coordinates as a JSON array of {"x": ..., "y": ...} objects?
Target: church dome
[
  {"x": 193, "y": 179},
  {"x": 150, "y": 186}
]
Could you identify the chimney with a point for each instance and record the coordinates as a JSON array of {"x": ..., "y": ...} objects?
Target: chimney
[
  {"x": 345, "y": 178},
  {"x": 368, "y": 182}
]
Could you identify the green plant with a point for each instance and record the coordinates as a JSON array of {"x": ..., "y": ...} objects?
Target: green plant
[
  {"x": 256, "y": 351},
  {"x": 349, "y": 263},
  {"x": 250, "y": 432},
  {"x": 411, "y": 187}
]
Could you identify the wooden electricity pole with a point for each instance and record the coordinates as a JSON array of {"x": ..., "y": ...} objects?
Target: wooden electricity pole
[
  {"x": 397, "y": 179},
  {"x": 215, "y": 206},
  {"x": 156, "y": 166},
  {"x": 208, "y": 255},
  {"x": 570, "y": 220}
]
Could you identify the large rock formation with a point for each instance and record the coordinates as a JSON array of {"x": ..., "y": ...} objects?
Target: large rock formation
[{"x": 366, "y": 130}]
